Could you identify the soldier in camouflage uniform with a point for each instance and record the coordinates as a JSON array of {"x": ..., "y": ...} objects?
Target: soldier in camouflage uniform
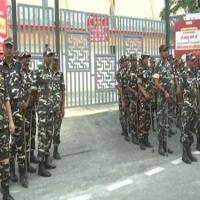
[
  {"x": 122, "y": 80},
  {"x": 58, "y": 104},
  {"x": 198, "y": 119},
  {"x": 133, "y": 98},
  {"x": 42, "y": 87},
  {"x": 190, "y": 89},
  {"x": 11, "y": 69},
  {"x": 164, "y": 82},
  {"x": 27, "y": 78},
  {"x": 5, "y": 116},
  {"x": 145, "y": 88}
]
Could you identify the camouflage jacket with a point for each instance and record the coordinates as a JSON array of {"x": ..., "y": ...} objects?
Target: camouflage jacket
[
  {"x": 132, "y": 81},
  {"x": 43, "y": 85},
  {"x": 58, "y": 89},
  {"x": 190, "y": 87},
  {"x": 166, "y": 75},
  {"x": 26, "y": 79},
  {"x": 13, "y": 80},
  {"x": 3, "y": 97}
]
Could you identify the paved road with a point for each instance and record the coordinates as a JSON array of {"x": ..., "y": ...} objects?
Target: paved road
[{"x": 98, "y": 164}]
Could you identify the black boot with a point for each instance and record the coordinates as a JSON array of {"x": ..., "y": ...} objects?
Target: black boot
[
  {"x": 146, "y": 142},
  {"x": 13, "y": 175},
  {"x": 56, "y": 154},
  {"x": 33, "y": 158},
  {"x": 48, "y": 164},
  {"x": 23, "y": 177},
  {"x": 141, "y": 144},
  {"x": 198, "y": 144},
  {"x": 189, "y": 153},
  {"x": 185, "y": 157},
  {"x": 6, "y": 193},
  {"x": 161, "y": 148},
  {"x": 134, "y": 139},
  {"x": 42, "y": 170},
  {"x": 167, "y": 149},
  {"x": 30, "y": 168}
]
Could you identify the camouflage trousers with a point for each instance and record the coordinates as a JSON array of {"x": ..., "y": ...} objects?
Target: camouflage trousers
[
  {"x": 57, "y": 120},
  {"x": 133, "y": 118},
  {"x": 189, "y": 121},
  {"x": 198, "y": 126},
  {"x": 164, "y": 122},
  {"x": 144, "y": 119},
  {"x": 31, "y": 127},
  {"x": 17, "y": 147},
  {"x": 123, "y": 117},
  {"x": 45, "y": 131},
  {"x": 4, "y": 157},
  {"x": 178, "y": 116}
]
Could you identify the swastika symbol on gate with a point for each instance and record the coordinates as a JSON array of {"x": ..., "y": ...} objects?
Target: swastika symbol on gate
[
  {"x": 105, "y": 72},
  {"x": 78, "y": 52}
]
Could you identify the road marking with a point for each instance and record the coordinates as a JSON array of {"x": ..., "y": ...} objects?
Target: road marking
[
  {"x": 14, "y": 191},
  {"x": 118, "y": 185},
  {"x": 177, "y": 161},
  {"x": 154, "y": 171},
  {"x": 82, "y": 197},
  {"x": 196, "y": 152}
]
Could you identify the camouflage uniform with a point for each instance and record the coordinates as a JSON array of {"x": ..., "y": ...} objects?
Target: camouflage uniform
[
  {"x": 133, "y": 106},
  {"x": 198, "y": 117},
  {"x": 13, "y": 80},
  {"x": 58, "y": 90},
  {"x": 164, "y": 73},
  {"x": 145, "y": 79},
  {"x": 43, "y": 84},
  {"x": 122, "y": 79},
  {"x": 189, "y": 115},
  {"x": 4, "y": 134}
]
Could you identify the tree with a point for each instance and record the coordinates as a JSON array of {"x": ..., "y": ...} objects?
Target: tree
[{"x": 188, "y": 6}]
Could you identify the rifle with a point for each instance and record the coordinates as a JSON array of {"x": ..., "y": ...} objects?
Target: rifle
[{"x": 25, "y": 145}]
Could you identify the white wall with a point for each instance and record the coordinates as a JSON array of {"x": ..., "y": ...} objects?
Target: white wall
[{"x": 134, "y": 8}]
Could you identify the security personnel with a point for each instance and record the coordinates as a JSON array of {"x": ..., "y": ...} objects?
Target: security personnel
[
  {"x": 58, "y": 104},
  {"x": 11, "y": 69},
  {"x": 5, "y": 117},
  {"x": 42, "y": 87}
]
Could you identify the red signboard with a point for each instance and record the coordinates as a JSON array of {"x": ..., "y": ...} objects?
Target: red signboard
[
  {"x": 3, "y": 23},
  {"x": 187, "y": 37},
  {"x": 98, "y": 26}
]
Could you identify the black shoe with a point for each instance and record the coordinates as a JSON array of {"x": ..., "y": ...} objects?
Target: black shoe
[
  {"x": 161, "y": 149},
  {"x": 31, "y": 169},
  {"x": 190, "y": 156},
  {"x": 42, "y": 170},
  {"x": 127, "y": 138},
  {"x": 56, "y": 154},
  {"x": 185, "y": 157},
  {"x": 13, "y": 176},
  {"x": 33, "y": 158},
  {"x": 168, "y": 150},
  {"x": 134, "y": 140},
  {"x": 142, "y": 145},
  {"x": 6, "y": 193},
  {"x": 198, "y": 144},
  {"x": 23, "y": 179},
  {"x": 146, "y": 142},
  {"x": 48, "y": 164}
]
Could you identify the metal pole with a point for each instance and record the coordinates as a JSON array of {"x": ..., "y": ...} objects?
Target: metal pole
[
  {"x": 167, "y": 22},
  {"x": 57, "y": 27},
  {"x": 14, "y": 23}
]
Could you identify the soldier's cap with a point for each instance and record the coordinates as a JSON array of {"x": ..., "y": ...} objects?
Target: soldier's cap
[
  {"x": 48, "y": 51},
  {"x": 123, "y": 59},
  {"x": 133, "y": 57},
  {"x": 163, "y": 48},
  {"x": 190, "y": 56},
  {"x": 8, "y": 40},
  {"x": 145, "y": 55},
  {"x": 56, "y": 57},
  {"x": 25, "y": 54},
  {"x": 152, "y": 59}
]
